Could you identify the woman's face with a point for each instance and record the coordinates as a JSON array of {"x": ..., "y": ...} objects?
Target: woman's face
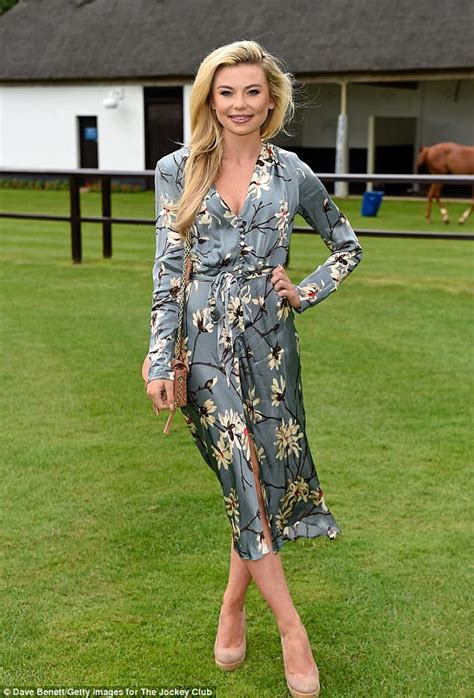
[{"x": 241, "y": 91}]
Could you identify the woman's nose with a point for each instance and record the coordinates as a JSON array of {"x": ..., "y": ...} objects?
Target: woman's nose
[{"x": 240, "y": 102}]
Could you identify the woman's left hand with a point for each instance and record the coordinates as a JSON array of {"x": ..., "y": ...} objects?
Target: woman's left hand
[{"x": 284, "y": 287}]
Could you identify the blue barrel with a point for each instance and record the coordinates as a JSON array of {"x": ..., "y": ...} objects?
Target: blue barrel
[{"x": 371, "y": 202}]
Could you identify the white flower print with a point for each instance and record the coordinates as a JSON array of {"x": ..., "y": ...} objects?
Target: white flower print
[
  {"x": 283, "y": 308},
  {"x": 233, "y": 427},
  {"x": 206, "y": 410},
  {"x": 232, "y": 503},
  {"x": 204, "y": 218},
  {"x": 157, "y": 346},
  {"x": 297, "y": 339},
  {"x": 250, "y": 406},
  {"x": 262, "y": 546},
  {"x": 165, "y": 213},
  {"x": 288, "y": 435},
  {"x": 278, "y": 391},
  {"x": 282, "y": 217},
  {"x": 275, "y": 357},
  {"x": 222, "y": 453},
  {"x": 235, "y": 529},
  {"x": 175, "y": 283},
  {"x": 261, "y": 181},
  {"x": 260, "y": 301},
  {"x": 236, "y": 316},
  {"x": 156, "y": 316},
  {"x": 309, "y": 291},
  {"x": 261, "y": 456},
  {"x": 225, "y": 338},
  {"x": 317, "y": 497},
  {"x": 299, "y": 489},
  {"x": 202, "y": 320},
  {"x": 340, "y": 268},
  {"x": 245, "y": 295},
  {"x": 191, "y": 425}
]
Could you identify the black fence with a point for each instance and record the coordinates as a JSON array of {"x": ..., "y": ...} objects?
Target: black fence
[{"x": 105, "y": 177}]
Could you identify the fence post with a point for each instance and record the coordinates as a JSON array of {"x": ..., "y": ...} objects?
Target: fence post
[
  {"x": 75, "y": 213},
  {"x": 106, "y": 213}
]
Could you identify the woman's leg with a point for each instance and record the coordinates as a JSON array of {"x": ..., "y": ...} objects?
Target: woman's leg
[
  {"x": 230, "y": 633},
  {"x": 238, "y": 582},
  {"x": 270, "y": 578}
]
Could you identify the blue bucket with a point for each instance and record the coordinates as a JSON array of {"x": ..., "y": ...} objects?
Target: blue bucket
[{"x": 371, "y": 202}]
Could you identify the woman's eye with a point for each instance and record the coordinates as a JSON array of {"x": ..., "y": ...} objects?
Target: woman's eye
[{"x": 227, "y": 92}]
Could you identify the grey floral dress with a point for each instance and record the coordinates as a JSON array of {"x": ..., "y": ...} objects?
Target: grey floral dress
[{"x": 241, "y": 340}]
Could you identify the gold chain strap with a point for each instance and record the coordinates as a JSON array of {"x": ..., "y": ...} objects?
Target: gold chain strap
[{"x": 182, "y": 292}]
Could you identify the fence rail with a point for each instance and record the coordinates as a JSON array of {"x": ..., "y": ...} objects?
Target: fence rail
[{"x": 75, "y": 218}]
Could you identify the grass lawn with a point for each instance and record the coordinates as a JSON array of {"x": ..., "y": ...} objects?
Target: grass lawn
[{"x": 114, "y": 538}]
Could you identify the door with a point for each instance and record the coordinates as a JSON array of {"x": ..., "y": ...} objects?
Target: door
[
  {"x": 163, "y": 122},
  {"x": 395, "y": 138},
  {"x": 88, "y": 142}
]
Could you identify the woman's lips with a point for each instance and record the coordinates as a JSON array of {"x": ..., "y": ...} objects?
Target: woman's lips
[{"x": 240, "y": 119}]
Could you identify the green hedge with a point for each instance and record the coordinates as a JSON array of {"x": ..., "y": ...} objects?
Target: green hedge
[{"x": 61, "y": 184}]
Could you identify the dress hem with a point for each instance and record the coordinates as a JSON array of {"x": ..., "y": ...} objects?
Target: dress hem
[{"x": 293, "y": 534}]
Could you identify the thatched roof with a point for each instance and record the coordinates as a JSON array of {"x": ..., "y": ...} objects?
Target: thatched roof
[{"x": 145, "y": 39}]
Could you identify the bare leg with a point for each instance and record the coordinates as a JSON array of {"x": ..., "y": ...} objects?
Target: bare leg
[
  {"x": 234, "y": 600},
  {"x": 239, "y": 574},
  {"x": 269, "y": 576}
]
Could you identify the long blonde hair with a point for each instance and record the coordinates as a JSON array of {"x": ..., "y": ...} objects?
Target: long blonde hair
[{"x": 206, "y": 144}]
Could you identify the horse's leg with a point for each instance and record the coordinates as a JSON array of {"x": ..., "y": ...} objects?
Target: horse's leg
[
  {"x": 442, "y": 209},
  {"x": 430, "y": 201},
  {"x": 468, "y": 211}
]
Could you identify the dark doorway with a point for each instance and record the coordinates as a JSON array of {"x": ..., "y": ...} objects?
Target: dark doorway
[
  {"x": 88, "y": 142},
  {"x": 163, "y": 122},
  {"x": 395, "y": 138}
]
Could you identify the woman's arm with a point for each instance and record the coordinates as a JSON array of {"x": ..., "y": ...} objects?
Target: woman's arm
[
  {"x": 167, "y": 273},
  {"x": 318, "y": 209}
]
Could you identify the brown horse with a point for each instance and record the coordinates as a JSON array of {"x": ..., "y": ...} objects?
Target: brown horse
[{"x": 445, "y": 158}]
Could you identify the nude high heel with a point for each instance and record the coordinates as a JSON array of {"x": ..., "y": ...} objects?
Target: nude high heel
[
  {"x": 229, "y": 658},
  {"x": 301, "y": 685}
]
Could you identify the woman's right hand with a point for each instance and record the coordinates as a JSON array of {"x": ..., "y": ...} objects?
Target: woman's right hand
[{"x": 160, "y": 392}]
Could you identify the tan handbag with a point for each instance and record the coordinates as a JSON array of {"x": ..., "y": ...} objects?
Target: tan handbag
[{"x": 179, "y": 363}]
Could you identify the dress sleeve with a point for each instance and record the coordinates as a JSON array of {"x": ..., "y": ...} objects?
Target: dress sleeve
[
  {"x": 167, "y": 276},
  {"x": 318, "y": 209}
]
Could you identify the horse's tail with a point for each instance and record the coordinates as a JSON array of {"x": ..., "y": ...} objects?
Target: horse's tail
[{"x": 420, "y": 165}]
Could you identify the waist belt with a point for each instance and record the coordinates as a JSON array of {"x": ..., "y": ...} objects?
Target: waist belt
[{"x": 227, "y": 309}]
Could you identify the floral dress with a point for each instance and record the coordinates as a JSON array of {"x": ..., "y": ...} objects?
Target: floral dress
[{"x": 243, "y": 348}]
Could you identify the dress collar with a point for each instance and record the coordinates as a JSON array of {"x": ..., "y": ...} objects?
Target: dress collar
[{"x": 269, "y": 153}]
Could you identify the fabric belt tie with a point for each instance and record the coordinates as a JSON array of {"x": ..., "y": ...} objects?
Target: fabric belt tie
[{"x": 227, "y": 309}]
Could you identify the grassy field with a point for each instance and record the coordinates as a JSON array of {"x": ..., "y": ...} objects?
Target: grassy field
[{"x": 114, "y": 538}]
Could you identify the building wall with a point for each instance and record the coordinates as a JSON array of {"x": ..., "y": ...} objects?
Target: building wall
[
  {"x": 38, "y": 126},
  {"x": 443, "y": 108}
]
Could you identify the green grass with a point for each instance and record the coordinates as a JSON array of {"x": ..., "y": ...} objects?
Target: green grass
[{"x": 114, "y": 538}]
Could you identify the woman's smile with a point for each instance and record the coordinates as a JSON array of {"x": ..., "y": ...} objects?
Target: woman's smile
[{"x": 240, "y": 119}]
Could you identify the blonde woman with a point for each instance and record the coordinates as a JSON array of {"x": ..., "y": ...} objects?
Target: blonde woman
[{"x": 238, "y": 194}]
